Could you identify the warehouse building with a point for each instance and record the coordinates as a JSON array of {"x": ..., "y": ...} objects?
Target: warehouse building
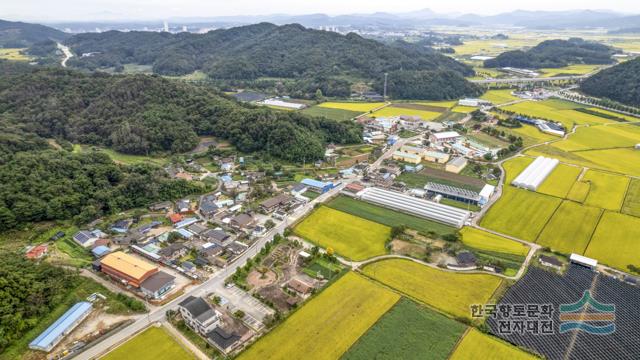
[
  {"x": 444, "y": 137},
  {"x": 414, "y": 206},
  {"x": 407, "y": 157},
  {"x": 456, "y": 165},
  {"x": 127, "y": 269},
  {"x": 535, "y": 174},
  {"x": 453, "y": 193},
  {"x": 317, "y": 186},
  {"x": 61, "y": 327},
  {"x": 436, "y": 157}
]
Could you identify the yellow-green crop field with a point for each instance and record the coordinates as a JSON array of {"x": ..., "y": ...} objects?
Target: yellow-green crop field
[
  {"x": 494, "y": 47},
  {"x": 515, "y": 166},
  {"x": 530, "y": 135},
  {"x": 350, "y": 236},
  {"x": 570, "y": 228},
  {"x": 155, "y": 343},
  {"x": 352, "y": 106},
  {"x": 464, "y": 109},
  {"x": 631, "y": 204},
  {"x": 576, "y": 69},
  {"x": 13, "y": 54},
  {"x": 450, "y": 292},
  {"x": 552, "y": 110},
  {"x": 616, "y": 114},
  {"x": 476, "y": 345},
  {"x": 606, "y": 190},
  {"x": 560, "y": 181},
  {"x": 601, "y": 137},
  {"x": 498, "y": 97},
  {"x": 398, "y": 111},
  {"x": 520, "y": 213},
  {"x": 616, "y": 241},
  {"x": 445, "y": 104},
  {"x": 623, "y": 161},
  {"x": 329, "y": 324},
  {"x": 483, "y": 240},
  {"x": 579, "y": 192}
]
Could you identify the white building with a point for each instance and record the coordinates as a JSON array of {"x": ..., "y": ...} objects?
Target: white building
[
  {"x": 444, "y": 137},
  {"x": 485, "y": 194},
  {"x": 199, "y": 315},
  {"x": 284, "y": 104},
  {"x": 536, "y": 173},
  {"x": 584, "y": 261},
  {"x": 473, "y": 102}
]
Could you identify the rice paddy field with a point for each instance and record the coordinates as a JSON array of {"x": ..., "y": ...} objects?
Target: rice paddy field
[
  {"x": 606, "y": 191},
  {"x": 449, "y": 292},
  {"x": 329, "y": 324},
  {"x": 579, "y": 192},
  {"x": 616, "y": 241},
  {"x": 477, "y": 345},
  {"x": 390, "y": 111},
  {"x": 445, "y": 104},
  {"x": 631, "y": 204},
  {"x": 350, "y": 236},
  {"x": 520, "y": 213},
  {"x": 570, "y": 229},
  {"x": 155, "y": 343},
  {"x": 494, "y": 47},
  {"x": 530, "y": 135},
  {"x": 558, "y": 110},
  {"x": 498, "y": 97},
  {"x": 483, "y": 240},
  {"x": 601, "y": 137},
  {"x": 561, "y": 180},
  {"x": 331, "y": 113},
  {"x": 623, "y": 161},
  {"x": 464, "y": 109},
  {"x": 13, "y": 54},
  {"x": 352, "y": 106},
  {"x": 385, "y": 216},
  {"x": 576, "y": 69},
  {"x": 408, "y": 331}
]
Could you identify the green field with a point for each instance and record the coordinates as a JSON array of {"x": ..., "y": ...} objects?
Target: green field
[
  {"x": 619, "y": 160},
  {"x": 450, "y": 292},
  {"x": 350, "y": 236},
  {"x": 387, "y": 217},
  {"x": 530, "y": 134},
  {"x": 616, "y": 241},
  {"x": 445, "y": 104},
  {"x": 556, "y": 110},
  {"x": 579, "y": 192},
  {"x": 601, "y": 137},
  {"x": 352, "y": 106},
  {"x": 576, "y": 69},
  {"x": 483, "y": 240},
  {"x": 408, "y": 331},
  {"x": 155, "y": 343},
  {"x": 13, "y": 54},
  {"x": 631, "y": 204},
  {"x": 570, "y": 228},
  {"x": 331, "y": 113},
  {"x": 123, "y": 158},
  {"x": 520, "y": 213},
  {"x": 513, "y": 167},
  {"x": 328, "y": 325},
  {"x": 498, "y": 97},
  {"x": 560, "y": 181},
  {"x": 477, "y": 345},
  {"x": 606, "y": 190}
]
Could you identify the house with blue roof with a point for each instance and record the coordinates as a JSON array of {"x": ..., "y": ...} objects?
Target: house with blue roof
[
  {"x": 49, "y": 338},
  {"x": 100, "y": 251},
  {"x": 317, "y": 186}
]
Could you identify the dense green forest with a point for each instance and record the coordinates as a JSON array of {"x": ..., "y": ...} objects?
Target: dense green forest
[
  {"x": 555, "y": 54},
  {"x": 140, "y": 114},
  {"x": 620, "y": 83},
  {"x": 435, "y": 85},
  {"x": 28, "y": 291},
  {"x": 246, "y": 55},
  {"x": 20, "y": 35}
]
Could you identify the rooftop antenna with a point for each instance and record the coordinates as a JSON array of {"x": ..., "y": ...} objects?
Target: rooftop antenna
[{"x": 385, "y": 86}]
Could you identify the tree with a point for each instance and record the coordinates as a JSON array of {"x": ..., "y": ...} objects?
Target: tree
[
  {"x": 269, "y": 224},
  {"x": 239, "y": 314}
]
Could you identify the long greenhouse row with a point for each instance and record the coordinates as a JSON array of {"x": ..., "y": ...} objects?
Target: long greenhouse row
[
  {"x": 533, "y": 176},
  {"x": 422, "y": 208}
]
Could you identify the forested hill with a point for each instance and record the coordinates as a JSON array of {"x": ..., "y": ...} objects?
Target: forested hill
[
  {"x": 620, "y": 83},
  {"x": 311, "y": 57},
  {"x": 20, "y": 35},
  {"x": 555, "y": 54},
  {"x": 140, "y": 114}
]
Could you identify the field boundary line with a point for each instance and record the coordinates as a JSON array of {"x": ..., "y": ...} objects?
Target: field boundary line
[
  {"x": 594, "y": 230},
  {"x": 548, "y": 220},
  {"x": 455, "y": 347}
]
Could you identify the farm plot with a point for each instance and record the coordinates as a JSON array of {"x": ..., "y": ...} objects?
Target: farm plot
[
  {"x": 498, "y": 97},
  {"x": 14, "y": 54},
  {"x": 616, "y": 241},
  {"x": 576, "y": 69},
  {"x": 387, "y": 217},
  {"x": 476, "y": 345},
  {"x": 557, "y": 111},
  {"x": 328, "y": 325},
  {"x": 450, "y": 292},
  {"x": 579, "y": 192},
  {"x": 154, "y": 343},
  {"x": 606, "y": 190},
  {"x": 624, "y": 160},
  {"x": 520, "y": 213},
  {"x": 515, "y": 166},
  {"x": 443, "y": 104},
  {"x": 352, "y": 106},
  {"x": 483, "y": 240},
  {"x": 464, "y": 109},
  {"x": 425, "y": 112},
  {"x": 530, "y": 135},
  {"x": 561, "y": 180},
  {"x": 631, "y": 204},
  {"x": 408, "y": 331},
  {"x": 571, "y": 227},
  {"x": 331, "y": 113},
  {"x": 601, "y": 137},
  {"x": 350, "y": 236}
]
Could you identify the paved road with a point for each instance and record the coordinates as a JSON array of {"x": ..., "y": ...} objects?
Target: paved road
[
  {"x": 67, "y": 54},
  {"x": 209, "y": 286},
  {"x": 523, "y": 80}
]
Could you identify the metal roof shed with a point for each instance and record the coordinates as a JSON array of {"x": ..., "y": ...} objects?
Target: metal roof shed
[{"x": 61, "y": 327}]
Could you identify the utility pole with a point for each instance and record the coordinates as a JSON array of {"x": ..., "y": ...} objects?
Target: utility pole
[{"x": 385, "y": 86}]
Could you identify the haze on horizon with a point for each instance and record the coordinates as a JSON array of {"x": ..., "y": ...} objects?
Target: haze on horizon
[{"x": 126, "y": 10}]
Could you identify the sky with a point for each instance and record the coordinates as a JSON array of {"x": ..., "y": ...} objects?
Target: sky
[{"x": 85, "y": 10}]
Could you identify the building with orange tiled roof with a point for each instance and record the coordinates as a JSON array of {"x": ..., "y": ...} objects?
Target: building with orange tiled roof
[{"x": 127, "y": 268}]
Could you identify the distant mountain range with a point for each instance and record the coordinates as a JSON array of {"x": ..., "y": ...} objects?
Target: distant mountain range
[
  {"x": 422, "y": 18},
  {"x": 21, "y": 35}
]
